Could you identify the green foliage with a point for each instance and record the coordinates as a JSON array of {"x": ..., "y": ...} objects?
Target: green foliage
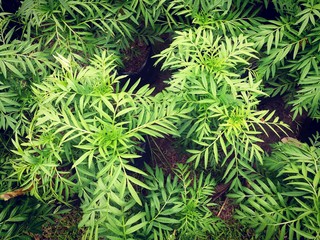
[
  {"x": 179, "y": 206},
  {"x": 162, "y": 205},
  {"x": 197, "y": 220},
  {"x": 19, "y": 58},
  {"x": 75, "y": 26},
  {"x": 83, "y": 28},
  {"x": 83, "y": 135},
  {"x": 191, "y": 8},
  {"x": 20, "y": 217},
  {"x": 8, "y": 108},
  {"x": 71, "y": 129},
  {"x": 307, "y": 97},
  {"x": 213, "y": 78},
  {"x": 285, "y": 205},
  {"x": 290, "y": 49}
]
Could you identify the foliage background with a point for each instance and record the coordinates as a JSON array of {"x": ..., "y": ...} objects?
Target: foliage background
[{"x": 73, "y": 132}]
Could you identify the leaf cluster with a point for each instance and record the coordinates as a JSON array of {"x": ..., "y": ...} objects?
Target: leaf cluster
[
  {"x": 179, "y": 206},
  {"x": 21, "y": 217},
  {"x": 84, "y": 136},
  {"x": 41, "y": 28},
  {"x": 71, "y": 129},
  {"x": 289, "y": 46},
  {"x": 285, "y": 201},
  {"x": 213, "y": 77}
]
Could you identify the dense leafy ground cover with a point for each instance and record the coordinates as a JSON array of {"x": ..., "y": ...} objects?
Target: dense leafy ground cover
[{"x": 72, "y": 132}]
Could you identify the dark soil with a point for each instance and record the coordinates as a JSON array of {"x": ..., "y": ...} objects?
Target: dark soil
[
  {"x": 307, "y": 129},
  {"x": 11, "y": 6},
  {"x": 65, "y": 228},
  {"x": 166, "y": 153},
  {"x": 135, "y": 57},
  {"x": 284, "y": 113}
]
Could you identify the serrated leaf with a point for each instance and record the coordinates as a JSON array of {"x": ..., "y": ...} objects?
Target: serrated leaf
[
  {"x": 137, "y": 182},
  {"x": 133, "y": 193},
  {"x": 136, "y": 227},
  {"x": 167, "y": 220},
  {"x": 134, "y": 169},
  {"x": 14, "y": 69},
  {"x": 135, "y": 218}
]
